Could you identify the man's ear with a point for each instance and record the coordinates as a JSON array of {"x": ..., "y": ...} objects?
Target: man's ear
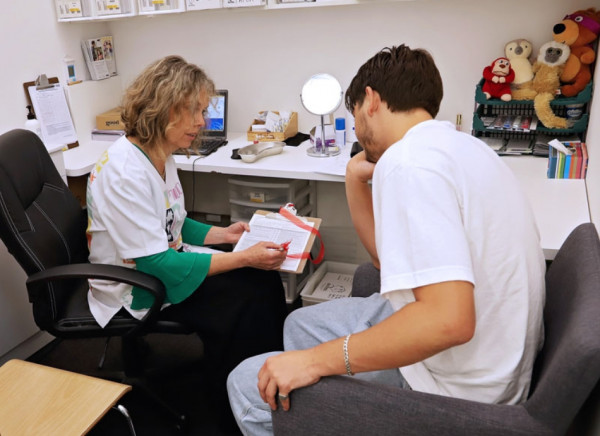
[{"x": 372, "y": 100}]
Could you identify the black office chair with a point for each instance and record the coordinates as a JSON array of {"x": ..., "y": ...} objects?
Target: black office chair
[{"x": 43, "y": 226}]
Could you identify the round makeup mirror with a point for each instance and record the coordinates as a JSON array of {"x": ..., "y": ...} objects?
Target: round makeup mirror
[{"x": 322, "y": 95}]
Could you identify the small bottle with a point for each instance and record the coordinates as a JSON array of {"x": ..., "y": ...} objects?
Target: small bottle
[
  {"x": 350, "y": 135},
  {"x": 340, "y": 132},
  {"x": 32, "y": 123}
]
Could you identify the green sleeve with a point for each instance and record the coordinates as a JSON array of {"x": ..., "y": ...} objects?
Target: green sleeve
[
  {"x": 180, "y": 272},
  {"x": 194, "y": 232}
]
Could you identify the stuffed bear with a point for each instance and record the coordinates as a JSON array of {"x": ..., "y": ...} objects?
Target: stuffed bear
[
  {"x": 578, "y": 30},
  {"x": 497, "y": 79},
  {"x": 547, "y": 68}
]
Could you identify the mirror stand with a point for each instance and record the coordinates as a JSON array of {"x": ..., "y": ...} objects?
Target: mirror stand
[
  {"x": 320, "y": 149},
  {"x": 322, "y": 95}
]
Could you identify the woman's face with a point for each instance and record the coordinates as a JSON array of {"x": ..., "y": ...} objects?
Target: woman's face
[{"x": 189, "y": 125}]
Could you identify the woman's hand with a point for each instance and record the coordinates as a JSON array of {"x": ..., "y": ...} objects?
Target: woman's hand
[
  {"x": 265, "y": 255},
  {"x": 226, "y": 235},
  {"x": 234, "y": 232}
]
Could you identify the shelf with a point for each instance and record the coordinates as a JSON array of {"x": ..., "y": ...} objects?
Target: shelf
[
  {"x": 136, "y": 8},
  {"x": 579, "y": 127},
  {"x": 273, "y": 4},
  {"x": 583, "y": 97},
  {"x": 90, "y": 10},
  {"x": 160, "y": 7}
]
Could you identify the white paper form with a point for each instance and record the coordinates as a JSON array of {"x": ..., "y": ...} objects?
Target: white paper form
[
  {"x": 51, "y": 110},
  {"x": 263, "y": 228},
  {"x": 334, "y": 165}
]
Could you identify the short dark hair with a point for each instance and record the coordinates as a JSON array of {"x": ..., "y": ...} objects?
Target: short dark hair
[{"x": 405, "y": 79}]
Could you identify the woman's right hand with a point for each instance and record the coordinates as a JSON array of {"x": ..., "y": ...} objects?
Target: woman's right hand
[{"x": 265, "y": 255}]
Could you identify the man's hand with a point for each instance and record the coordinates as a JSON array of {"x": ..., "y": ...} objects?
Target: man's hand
[
  {"x": 283, "y": 373},
  {"x": 359, "y": 168}
]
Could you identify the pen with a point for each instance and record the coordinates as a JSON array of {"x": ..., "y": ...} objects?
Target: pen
[{"x": 285, "y": 246}]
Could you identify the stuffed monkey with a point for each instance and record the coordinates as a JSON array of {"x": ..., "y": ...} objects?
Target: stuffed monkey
[
  {"x": 498, "y": 77},
  {"x": 546, "y": 82}
]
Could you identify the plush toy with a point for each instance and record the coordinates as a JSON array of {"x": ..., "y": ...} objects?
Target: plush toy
[
  {"x": 518, "y": 52},
  {"x": 546, "y": 82},
  {"x": 578, "y": 30},
  {"x": 498, "y": 77}
]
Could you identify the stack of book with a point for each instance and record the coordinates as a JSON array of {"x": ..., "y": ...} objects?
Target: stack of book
[
  {"x": 99, "y": 55},
  {"x": 568, "y": 166}
]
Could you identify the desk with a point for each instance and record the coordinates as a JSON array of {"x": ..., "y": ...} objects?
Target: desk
[
  {"x": 558, "y": 205},
  {"x": 40, "y": 400}
]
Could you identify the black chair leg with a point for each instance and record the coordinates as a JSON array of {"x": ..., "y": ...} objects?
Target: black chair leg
[{"x": 133, "y": 350}]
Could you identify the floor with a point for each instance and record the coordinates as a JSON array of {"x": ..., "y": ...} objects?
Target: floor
[{"x": 184, "y": 387}]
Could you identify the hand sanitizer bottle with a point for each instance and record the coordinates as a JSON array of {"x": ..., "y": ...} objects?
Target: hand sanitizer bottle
[{"x": 32, "y": 123}]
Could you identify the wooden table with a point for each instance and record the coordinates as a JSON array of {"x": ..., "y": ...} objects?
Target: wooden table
[{"x": 40, "y": 400}]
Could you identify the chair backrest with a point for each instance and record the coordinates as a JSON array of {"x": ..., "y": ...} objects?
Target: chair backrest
[
  {"x": 41, "y": 222},
  {"x": 568, "y": 367}
]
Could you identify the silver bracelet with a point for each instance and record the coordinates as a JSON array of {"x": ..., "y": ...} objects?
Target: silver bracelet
[{"x": 346, "y": 358}]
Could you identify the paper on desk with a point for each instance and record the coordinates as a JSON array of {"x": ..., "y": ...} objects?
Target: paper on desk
[
  {"x": 335, "y": 165},
  {"x": 263, "y": 228},
  {"x": 52, "y": 111}
]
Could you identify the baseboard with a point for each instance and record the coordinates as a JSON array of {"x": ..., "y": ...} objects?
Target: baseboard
[{"x": 27, "y": 347}]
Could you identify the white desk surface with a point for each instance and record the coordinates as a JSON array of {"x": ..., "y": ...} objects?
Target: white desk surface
[{"x": 559, "y": 205}]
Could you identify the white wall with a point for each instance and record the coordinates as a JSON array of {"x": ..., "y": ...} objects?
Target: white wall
[{"x": 264, "y": 56}]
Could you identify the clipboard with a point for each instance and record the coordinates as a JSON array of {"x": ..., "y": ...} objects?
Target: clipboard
[
  {"x": 309, "y": 244},
  {"x": 42, "y": 82},
  {"x": 279, "y": 232}
]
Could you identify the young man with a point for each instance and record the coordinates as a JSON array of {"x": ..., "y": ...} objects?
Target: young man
[{"x": 462, "y": 272}]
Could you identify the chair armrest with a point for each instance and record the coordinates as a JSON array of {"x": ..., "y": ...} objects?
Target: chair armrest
[
  {"x": 115, "y": 273},
  {"x": 344, "y": 405}
]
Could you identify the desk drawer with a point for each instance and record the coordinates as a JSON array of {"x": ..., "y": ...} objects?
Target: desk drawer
[{"x": 261, "y": 190}]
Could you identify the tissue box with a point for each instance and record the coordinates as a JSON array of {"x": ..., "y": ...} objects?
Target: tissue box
[
  {"x": 290, "y": 130},
  {"x": 110, "y": 120}
]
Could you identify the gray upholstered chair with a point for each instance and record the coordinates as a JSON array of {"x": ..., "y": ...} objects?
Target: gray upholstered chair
[{"x": 566, "y": 371}]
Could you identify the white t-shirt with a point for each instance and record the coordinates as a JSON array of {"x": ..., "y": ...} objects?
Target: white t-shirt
[
  {"x": 447, "y": 208},
  {"x": 132, "y": 212}
]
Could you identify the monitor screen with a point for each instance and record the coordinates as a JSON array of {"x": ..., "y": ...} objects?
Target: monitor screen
[{"x": 216, "y": 114}]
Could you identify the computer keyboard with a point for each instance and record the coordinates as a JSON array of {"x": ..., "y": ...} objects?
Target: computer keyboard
[{"x": 209, "y": 146}]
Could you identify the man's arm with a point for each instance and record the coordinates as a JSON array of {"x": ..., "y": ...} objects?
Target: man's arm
[
  {"x": 360, "y": 202},
  {"x": 442, "y": 316}
]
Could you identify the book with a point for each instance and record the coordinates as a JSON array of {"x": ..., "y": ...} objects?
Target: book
[
  {"x": 270, "y": 226},
  {"x": 99, "y": 57}
]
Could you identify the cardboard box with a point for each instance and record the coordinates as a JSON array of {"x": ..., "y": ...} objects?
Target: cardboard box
[
  {"x": 110, "y": 120},
  {"x": 290, "y": 130}
]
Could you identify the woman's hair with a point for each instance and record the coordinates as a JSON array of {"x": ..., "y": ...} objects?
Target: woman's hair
[
  {"x": 169, "y": 84},
  {"x": 405, "y": 79}
]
